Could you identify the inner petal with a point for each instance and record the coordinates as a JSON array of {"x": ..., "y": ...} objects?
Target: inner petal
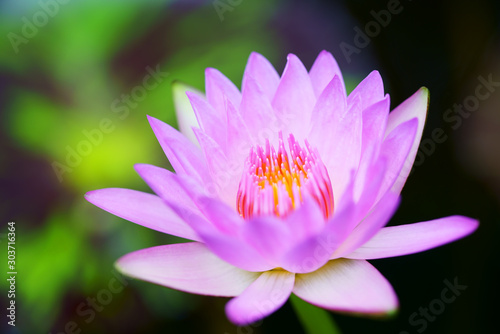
[{"x": 277, "y": 182}]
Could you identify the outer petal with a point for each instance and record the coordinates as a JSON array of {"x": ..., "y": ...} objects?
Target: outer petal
[
  {"x": 143, "y": 209},
  {"x": 396, "y": 149},
  {"x": 189, "y": 267},
  {"x": 347, "y": 286},
  {"x": 374, "y": 123},
  {"x": 184, "y": 111},
  {"x": 371, "y": 90},
  {"x": 211, "y": 122},
  {"x": 414, "y": 238},
  {"x": 162, "y": 182},
  {"x": 325, "y": 67},
  {"x": 261, "y": 70},
  {"x": 218, "y": 88},
  {"x": 415, "y": 106},
  {"x": 184, "y": 156},
  {"x": 183, "y": 202},
  {"x": 264, "y": 296},
  {"x": 294, "y": 99}
]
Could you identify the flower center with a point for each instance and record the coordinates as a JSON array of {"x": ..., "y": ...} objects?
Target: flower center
[{"x": 278, "y": 182}]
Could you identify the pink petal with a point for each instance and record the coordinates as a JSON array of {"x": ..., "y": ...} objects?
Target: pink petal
[
  {"x": 327, "y": 113},
  {"x": 269, "y": 236},
  {"x": 374, "y": 123},
  {"x": 225, "y": 178},
  {"x": 168, "y": 186},
  {"x": 264, "y": 296},
  {"x": 305, "y": 221},
  {"x": 258, "y": 114},
  {"x": 184, "y": 156},
  {"x": 315, "y": 251},
  {"x": 294, "y": 98},
  {"x": 184, "y": 111},
  {"x": 414, "y": 106},
  {"x": 211, "y": 122},
  {"x": 239, "y": 139},
  {"x": 163, "y": 183},
  {"x": 396, "y": 148},
  {"x": 235, "y": 251},
  {"x": 370, "y": 90},
  {"x": 414, "y": 238},
  {"x": 222, "y": 216},
  {"x": 188, "y": 267},
  {"x": 222, "y": 232},
  {"x": 143, "y": 209},
  {"x": 325, "y": 67},
  {"x": 218, "y": 88},
  {"x": 347, "y": 286},
  {"x": 370, "y": 225},
  {"x": 367, "y": 198},
  {"x": 181, "y": 193},
  {"x": 262, "y": 71},
  {"x": 345, "y": 150}
]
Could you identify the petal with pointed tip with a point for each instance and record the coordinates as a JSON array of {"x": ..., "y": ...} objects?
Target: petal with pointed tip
[
  {"x": 415, "y": 106},
  {"x": 413, "y": 238},
  {"x": 184, "y": 156},
  {"x": 325, "y": 67},
  {"x": 258, "y": 114},
  {"x": 371, "y": 90},
  {"x": 143, "y": 209},
  {"x": 211, "y": 122},
  {"x": 218, "y": 88},
  {"x": 294, "y": 98},
  {"x": 262, "y": 71}
]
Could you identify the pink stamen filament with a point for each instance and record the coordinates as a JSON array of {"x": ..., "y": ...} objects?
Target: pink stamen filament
[{"x": 274, "y": 183}]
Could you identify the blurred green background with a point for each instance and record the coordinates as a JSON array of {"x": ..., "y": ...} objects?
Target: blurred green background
[{"x": 67, "y": 69}]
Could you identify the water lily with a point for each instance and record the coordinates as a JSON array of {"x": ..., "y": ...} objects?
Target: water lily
[{"x": 284, "y": 187}]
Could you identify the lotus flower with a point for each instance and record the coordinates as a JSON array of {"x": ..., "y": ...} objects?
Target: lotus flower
[{"x": 284, "y": 187}]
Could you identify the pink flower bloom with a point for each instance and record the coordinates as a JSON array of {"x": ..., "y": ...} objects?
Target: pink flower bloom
[{"x": 284, "y": 187}]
